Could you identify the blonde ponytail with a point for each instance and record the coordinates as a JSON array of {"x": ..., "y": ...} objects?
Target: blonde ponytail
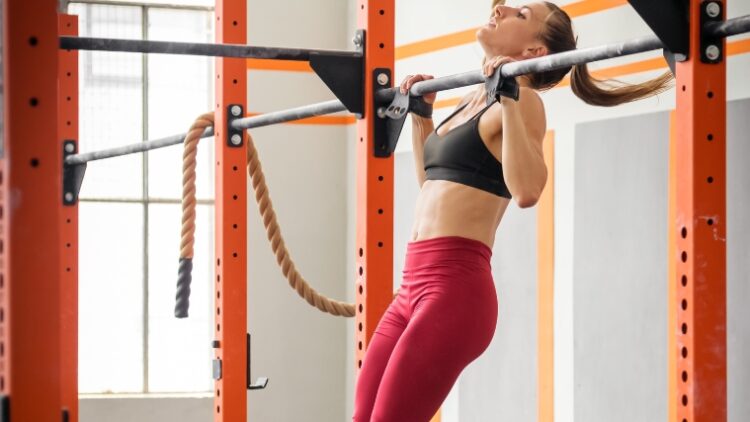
[{"x": 611, "y": 92}]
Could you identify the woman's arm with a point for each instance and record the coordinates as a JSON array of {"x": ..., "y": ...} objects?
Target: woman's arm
[
  {"x": 523, "y": 160},
  {"x": 421, "y": 127}
]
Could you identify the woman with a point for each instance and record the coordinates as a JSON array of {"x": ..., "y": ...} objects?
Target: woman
[{"x": 469, "y": 169}]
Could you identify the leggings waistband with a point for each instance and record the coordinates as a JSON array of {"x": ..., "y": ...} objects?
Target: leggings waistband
[{"x": 429, "y": 251}]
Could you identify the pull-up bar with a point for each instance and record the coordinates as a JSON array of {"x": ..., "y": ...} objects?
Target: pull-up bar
[
  {"x": 194, "y": 49},
  {"x": 318, "y": 109},
  {"x": 550, "y": 62}
]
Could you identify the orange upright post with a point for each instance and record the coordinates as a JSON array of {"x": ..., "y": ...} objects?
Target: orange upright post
[
  {"x": 700, "y": 234},
  {"x": 30, "y": 210},
  {"x": 230, "y": 366},
  {"x": 67, "y": 142},
  {"x": 374, "y": 262},
  {"x": 546, "y": 287},
  {"x": 672, "y": 305}
]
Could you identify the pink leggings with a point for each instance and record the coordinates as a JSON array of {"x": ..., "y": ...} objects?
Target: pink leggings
[{"x": 442, "y": 319}]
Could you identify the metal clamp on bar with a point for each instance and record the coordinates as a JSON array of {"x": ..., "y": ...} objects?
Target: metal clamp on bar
[
  {"x": 712, "y": 45},
  {"x": 497, "y": 86},
  {"x": 72, "y": 174},
  {"x": 216, "y": 367},
  {"x": 261, "y": 382},
  {"x": 398, "y": 107},
  {"x": 234, "y": 135},
  {"x": 394, "y": 116}
]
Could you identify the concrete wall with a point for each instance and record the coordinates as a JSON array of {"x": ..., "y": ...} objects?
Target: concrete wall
[
  {"x": 738, "y": 260},
  {"x": 146, "y": 408},
  {"x": 620, "y": 269}
]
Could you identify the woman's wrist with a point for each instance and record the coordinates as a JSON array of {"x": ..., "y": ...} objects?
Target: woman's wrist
[{"x": 419, "y": 107}]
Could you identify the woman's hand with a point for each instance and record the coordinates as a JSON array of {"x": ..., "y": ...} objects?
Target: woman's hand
[
  {"x": 492, "y": 64},
  {"x": 411, "y": 80}
]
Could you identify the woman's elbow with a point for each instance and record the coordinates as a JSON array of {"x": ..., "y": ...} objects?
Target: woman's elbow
[
  {"x": 526, "y": 200},
  {"x": 528, "y": 196}
]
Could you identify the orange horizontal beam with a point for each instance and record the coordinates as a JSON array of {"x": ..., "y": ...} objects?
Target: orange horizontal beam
[
  {"x": 580, "y": 8},
  {"x": 430, "y": 45},
  {"x": 279, "y": 65},
  {"x": 586, "y": 7},
  {"x": 733, "y": 48}
]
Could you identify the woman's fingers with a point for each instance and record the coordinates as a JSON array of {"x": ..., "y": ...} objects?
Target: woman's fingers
[
  {"x": 404, "y": 87},
  {"x": 410, "y": 80},
  {"x": 491, "y": 65}
]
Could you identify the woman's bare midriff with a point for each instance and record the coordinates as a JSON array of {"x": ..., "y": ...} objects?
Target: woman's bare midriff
[{"x": 447, "y": 208}]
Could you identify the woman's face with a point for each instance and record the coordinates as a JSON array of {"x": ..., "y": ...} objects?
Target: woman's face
[{"x": 514, "y": 31}]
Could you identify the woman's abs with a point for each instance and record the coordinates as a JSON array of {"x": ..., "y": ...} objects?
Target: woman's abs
[{"x": 450, "y": 209}]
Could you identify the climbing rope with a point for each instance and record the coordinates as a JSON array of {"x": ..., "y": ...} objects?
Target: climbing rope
[{"x": 273, "y": 231}]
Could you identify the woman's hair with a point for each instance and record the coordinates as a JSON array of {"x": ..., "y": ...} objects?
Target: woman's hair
[{"x": 557, "y": 35}]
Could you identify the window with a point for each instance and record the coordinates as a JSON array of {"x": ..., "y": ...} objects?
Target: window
[{"x": 129, "y": 339}]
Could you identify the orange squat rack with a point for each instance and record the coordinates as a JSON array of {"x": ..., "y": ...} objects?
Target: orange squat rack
[{"x": 39, "y": 220}]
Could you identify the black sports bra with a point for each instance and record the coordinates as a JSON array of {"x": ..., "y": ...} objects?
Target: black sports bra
[{"x": 460, "y": 156}]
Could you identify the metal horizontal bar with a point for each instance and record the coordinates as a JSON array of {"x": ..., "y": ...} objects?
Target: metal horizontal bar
[
  {"x": 131, "y": 149},
  {"x": 560, "y": 60},
  {"x": 312, "y": 110},
  {"x": 541, "y": 64},
  {"x": 550, "y": 62},
  {"x": 730, "y": 27},
  {"x": 194, "y": 49}
]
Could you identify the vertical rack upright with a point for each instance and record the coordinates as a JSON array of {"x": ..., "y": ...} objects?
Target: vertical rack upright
[
  {"x": 230, "y": 330},
  {"x": 698, "y": 355}
]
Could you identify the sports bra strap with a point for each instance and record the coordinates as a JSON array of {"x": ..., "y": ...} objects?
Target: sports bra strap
[
  {"x": 487, "y": 107},
  {"x": 476, "y": 116}
]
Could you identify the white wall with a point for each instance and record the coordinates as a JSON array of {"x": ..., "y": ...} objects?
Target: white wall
[
  {"x": 564, "y": 112},
  {"x": 299, "y": 348},
  {"x": 310, "y": 171},
  {"x": 620, "y": 269}
]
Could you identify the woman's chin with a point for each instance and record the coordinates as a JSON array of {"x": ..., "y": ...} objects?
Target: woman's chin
[{"x": 482, "y": 35}]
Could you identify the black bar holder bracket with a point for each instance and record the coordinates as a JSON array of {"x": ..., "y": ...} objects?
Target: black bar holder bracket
[
  {"x": 261, "y": 382},
  {"x": 217, "y": 366},
  {"x": 712, "y": 46},
  {"x": 235, "y": 137},
  {"x": 669, "y": 21},
  {"x": 72, "y": 174},
  {"x": 342, "y": 74},
  {"x": 389, "y": 120}
]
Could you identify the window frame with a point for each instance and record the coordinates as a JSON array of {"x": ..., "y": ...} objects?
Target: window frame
[{"x": 144, "y": 200}]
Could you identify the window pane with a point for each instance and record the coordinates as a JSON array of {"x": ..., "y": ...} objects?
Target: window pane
[
  {"x": 111, "y": 101},
  {"x": 205, "y": 3},
  {"x": 179, "y": 349},
  {"x": 180, "y": 89},
  {"x": 110, "y": 289}
]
